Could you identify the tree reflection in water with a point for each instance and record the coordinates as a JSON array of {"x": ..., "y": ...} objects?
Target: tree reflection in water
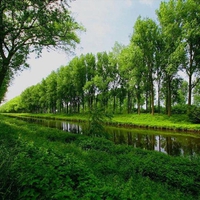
[
  {"x": 170, "y": 143},
  {"x": 167, "y": 142}
]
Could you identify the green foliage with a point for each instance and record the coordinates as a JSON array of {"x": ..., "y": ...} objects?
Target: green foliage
[
  {"x": 94, "y": 143},
  {"x": 196, "y": 95},
  {"x": 34, "y": 25},
  {"x": 33, "y": 167},
  {"x": 97, "y": 117},
  {"x": 49, "y": 175},
  {"x": 194, "y": 114},
  {"x": 179, "y": 109},
  {"x": 40, "y": 171},
  {"x": 14, "y": 105}
]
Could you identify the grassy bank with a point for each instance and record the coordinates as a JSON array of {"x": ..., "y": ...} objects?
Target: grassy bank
[
  {"x": 45, "y": 163},
  {"x": 157, "y": 121}
]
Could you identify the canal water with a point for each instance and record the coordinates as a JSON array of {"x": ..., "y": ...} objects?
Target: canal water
[{"x": 172, "y": 143}]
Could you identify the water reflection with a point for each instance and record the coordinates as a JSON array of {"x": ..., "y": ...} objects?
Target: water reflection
[
  {"x": 167, "y": 142},
  {"x": 170, "y": 143},
  {"x": 65, "y": 126}
]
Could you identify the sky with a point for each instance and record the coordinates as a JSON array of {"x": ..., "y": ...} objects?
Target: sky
[{"x": 105, "y": 21}]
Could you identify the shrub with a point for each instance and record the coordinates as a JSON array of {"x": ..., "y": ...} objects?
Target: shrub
[
  {"x": 179, "y": 109},
  {"x": 194, "y": 114},
  {"x": 95, "y": 123},
  {"x": 92, "y": 143},
  {"x": 42, "y": 173}
]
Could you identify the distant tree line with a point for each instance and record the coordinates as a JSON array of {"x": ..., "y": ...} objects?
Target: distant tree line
[{"x": 157, "y": 72}]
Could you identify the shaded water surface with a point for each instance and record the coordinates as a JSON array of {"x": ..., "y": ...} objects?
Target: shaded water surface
[{"x": 172, "y": 143}]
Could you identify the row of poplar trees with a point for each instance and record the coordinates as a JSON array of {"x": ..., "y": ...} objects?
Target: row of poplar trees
[{"x": 159, "y": 68}]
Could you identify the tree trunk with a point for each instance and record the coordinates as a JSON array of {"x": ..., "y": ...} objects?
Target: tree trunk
[
  {"x": 151, "y": 89},
  {"x": 169, "y": 100},
  {"x": 83, "y": 103},
  {"x": 147, "y": 101},
  {"x": 129, "y": 103},
  {"x": 4, "y": 71},
  {"x": 190, "y": 91},
  {"x": 67, "y": 107},
  {"x": 152, "y": 98},
  {"x": 114, "y": 104},
  {"x": 3, "y": 74},
  {"x": 138, "y": 107},
  {"x": 138, "y": 101},
  {"x": 190, "y": 77},
  {"x": 159, "y": 96}
]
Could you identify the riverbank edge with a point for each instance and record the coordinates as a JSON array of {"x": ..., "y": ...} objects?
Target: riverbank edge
[{"x": 180, "y": 127}]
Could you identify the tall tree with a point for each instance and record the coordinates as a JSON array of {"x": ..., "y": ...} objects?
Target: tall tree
[
  {"x": 43, "y": 96},
  {"x": 29, "y": 26},
  {"x": 103, "y": 78},
  {"x": 65, "y": 88},
  {"x": 132, "y": 69},
  {"x": 114, "y": 86},
  {"x": 89, "y": 87},
  {"x": 173, "y": 51},
  {"x": 159, "y": 65},
  {"x": 126, "y": 76},
  {"x": 145, "y": 36},
  {"x": 51, "y": 86},
  {"x": 28, "y": 100},
  {"x": 188, "y": 12},
  {"x": 78, "y": 80}
]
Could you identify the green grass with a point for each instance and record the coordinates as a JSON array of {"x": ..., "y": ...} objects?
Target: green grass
[
  {"x": 44, "y": 163},
  {"x": 158, "y": 121}
]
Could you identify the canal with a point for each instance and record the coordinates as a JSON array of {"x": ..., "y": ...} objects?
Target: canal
[{"x": 172, "y": 143}]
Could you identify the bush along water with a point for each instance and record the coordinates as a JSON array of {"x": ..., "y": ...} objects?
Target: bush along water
[
  {"x": 96, "y": 119},
  {"x": 44, "y": 163},
  {"x": 194, "y": 114}
]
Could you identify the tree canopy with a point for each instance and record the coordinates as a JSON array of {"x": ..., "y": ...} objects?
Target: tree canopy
[{"x": 29, "y": 26}]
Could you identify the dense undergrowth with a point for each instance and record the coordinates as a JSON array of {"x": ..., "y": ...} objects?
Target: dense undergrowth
[{"x": 44, "y": 163}]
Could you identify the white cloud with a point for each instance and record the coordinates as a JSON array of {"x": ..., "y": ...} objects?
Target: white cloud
[
  {"x": 98, "y": 18},
  {"x": 129, "y": 3},
  {"x": 147, "y": 2}
]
